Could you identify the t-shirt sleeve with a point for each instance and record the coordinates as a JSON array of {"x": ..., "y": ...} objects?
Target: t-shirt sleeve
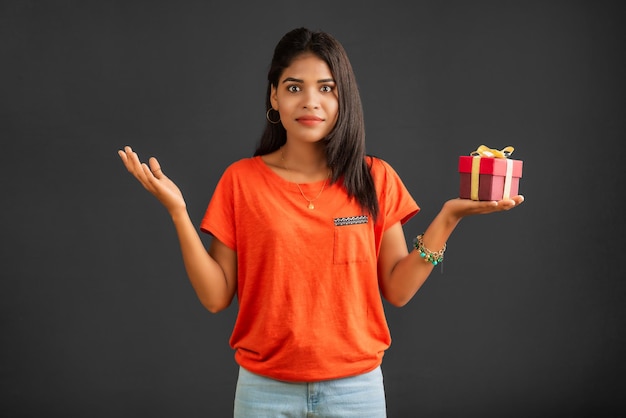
[
  {"x": 396, "y": 203},
  {"x": 219, "y": 218}
]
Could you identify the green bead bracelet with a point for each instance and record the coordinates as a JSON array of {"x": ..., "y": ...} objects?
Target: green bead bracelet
[{"x": 433, "y": 257}]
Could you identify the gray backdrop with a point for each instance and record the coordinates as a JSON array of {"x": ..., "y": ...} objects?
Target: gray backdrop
[{"x": 98, "y": 318}]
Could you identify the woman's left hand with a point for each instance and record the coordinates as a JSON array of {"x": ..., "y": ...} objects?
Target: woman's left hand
[{"x": 460, "y": 208}]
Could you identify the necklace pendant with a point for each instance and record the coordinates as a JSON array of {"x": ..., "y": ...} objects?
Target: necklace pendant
[{"x": 311, "y": 206}]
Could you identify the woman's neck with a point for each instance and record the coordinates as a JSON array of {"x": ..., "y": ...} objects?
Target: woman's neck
[{"x": 307, "y": 160}]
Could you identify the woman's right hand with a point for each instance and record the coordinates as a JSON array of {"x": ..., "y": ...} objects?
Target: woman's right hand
[{"x": 154, "y": 180}]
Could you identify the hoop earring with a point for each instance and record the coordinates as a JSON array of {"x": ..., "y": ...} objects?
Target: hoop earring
[{"x": 267, "y": 116}]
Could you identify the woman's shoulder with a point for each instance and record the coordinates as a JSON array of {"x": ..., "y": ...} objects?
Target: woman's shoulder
[
  {"x": 244, "y": 166},
  {"x": 378, "y": 166}
]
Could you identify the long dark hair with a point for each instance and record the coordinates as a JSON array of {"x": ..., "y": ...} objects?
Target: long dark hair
[{"x": 345, "y": 144}]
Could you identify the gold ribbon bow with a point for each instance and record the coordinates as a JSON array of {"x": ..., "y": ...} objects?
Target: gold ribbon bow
[{"x": 483, "y": 151}]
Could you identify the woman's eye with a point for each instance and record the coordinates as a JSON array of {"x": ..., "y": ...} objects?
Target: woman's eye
[
  {"x": 293, "y": 89},
  {"x": 326, "y": 89}
]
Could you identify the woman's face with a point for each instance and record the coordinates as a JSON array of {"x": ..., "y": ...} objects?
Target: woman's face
[{"x": 306, "y": 98}]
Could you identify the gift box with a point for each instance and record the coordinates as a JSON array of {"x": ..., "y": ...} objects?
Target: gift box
[{"x": 489, "y": 174}]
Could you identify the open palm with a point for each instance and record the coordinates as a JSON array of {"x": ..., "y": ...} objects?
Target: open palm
[{"x": 153, "y": 179}]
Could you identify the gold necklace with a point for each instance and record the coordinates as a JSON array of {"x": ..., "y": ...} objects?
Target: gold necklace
[{"x": 311, "y": 206}]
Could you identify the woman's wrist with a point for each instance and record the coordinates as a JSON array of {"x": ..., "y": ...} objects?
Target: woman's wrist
[
  {"x": 179, "y": 213},
  {"x": 448, "y": 215}
]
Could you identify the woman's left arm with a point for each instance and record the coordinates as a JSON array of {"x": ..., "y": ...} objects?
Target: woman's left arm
[{"x": 401, "y": 273}]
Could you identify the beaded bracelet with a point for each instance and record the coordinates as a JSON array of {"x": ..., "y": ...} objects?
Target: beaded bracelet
[{"x": 434, "y": 257}]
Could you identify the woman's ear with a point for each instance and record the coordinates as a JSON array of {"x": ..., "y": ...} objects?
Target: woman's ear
[{"x": 274, "y": 98}]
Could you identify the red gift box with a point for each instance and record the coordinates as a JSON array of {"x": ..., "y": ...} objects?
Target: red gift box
[{"x": 489, "y": 174}]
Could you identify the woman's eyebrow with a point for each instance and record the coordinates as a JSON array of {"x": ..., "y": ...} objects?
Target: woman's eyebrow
[
  {"x": 292, "y": 80},
  {"x": 297, "y": 80}
]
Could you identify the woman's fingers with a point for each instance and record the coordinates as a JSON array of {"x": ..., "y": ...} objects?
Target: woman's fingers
[
  {"x": 510, "y": 203},
  {"x": 153, "y": 179},
  {"x": 155, "y": 167},
  {"x": 135, "y": 166},
  {"x": 466, "y": 207},
  {"x": 130, "y": 159}
]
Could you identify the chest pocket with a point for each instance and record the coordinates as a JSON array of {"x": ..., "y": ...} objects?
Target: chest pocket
[{"x": 353, "y": 240}]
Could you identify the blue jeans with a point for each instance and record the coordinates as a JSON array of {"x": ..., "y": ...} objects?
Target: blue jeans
[{"x": 360, "y": 396}]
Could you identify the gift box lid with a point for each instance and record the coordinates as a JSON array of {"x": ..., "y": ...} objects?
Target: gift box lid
[{"x": 490, "y": 165}]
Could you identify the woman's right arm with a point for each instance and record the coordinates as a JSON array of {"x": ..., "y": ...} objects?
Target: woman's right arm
[{"x": 213, "y": 274}]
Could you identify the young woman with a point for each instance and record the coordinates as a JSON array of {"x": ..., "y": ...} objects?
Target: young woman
[{"x": 308, "y": 234}]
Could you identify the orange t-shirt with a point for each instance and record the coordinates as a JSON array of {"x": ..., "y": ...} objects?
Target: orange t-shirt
[{"x": 309, "y": 303}]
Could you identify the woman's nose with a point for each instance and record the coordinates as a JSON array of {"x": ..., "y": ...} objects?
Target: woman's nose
[{"x": 311, "y": 100}]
